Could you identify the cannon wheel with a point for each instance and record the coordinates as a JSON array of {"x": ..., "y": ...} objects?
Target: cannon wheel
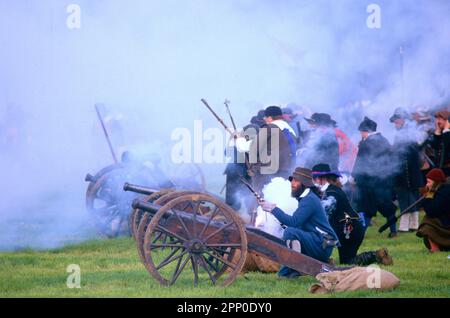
[
  {"x": 193, "y": 246},
  {"x": 136, "y": 214},
  {"x": 146, "y": 218},
  {"x": 99, "y": 192}
]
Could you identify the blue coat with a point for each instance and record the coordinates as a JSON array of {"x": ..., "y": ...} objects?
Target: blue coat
[{"x": 310, "y": 216}]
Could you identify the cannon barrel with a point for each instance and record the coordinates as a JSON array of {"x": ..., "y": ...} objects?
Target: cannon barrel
[
  {"x": 138, "y": 189},
  {"x": 145, "y": 206}
]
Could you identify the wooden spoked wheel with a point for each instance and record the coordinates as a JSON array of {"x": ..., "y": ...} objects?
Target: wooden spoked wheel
[
  {"x": 146, "y": 218},
  {"x": 203, "y": 242},
  {"x": 107, "y": 204},
  {"x": 136, "y": 214}
]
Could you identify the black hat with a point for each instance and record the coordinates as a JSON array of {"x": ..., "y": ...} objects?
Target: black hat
[
  {"x": 261, "y": 113},
  {"x": 273, "y": 111},
  {"x": 367, "y": 125},
  {"x": 399, "y": 113},
  {"x": 288, "y": 111},
  {"x": 321, "y": 119},
  {"x": 304, "y": 176},
  {"x": 257, "y": 121},
  {"x": 323, "y": 170}
]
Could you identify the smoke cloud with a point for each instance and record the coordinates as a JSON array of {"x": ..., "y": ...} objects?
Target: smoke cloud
[{"x": 152, "y": 61}]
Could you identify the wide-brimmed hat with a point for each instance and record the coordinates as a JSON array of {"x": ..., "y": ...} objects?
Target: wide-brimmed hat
[
  {"x": 399, "y": 113},
  {"x": 367, "y": 125},
  {"x": 323, "y": 170},
  {"x": 288, "y": 111},
  {"x": 303, "y": 175},
  {"x": 321, "y": 119},
  {"x": 421, "y": 113}
]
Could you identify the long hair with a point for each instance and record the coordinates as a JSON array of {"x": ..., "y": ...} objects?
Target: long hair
[{"x": 334, "y": 180}]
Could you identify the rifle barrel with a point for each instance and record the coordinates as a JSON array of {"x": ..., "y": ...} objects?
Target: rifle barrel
[
  {"x": 216, "y": 116},
  {"x": 407, "y": 210},
  {"x": 106, "y": 134}
]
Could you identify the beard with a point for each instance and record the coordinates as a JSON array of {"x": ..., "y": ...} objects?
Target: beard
[{"x": 295, "y": 193}]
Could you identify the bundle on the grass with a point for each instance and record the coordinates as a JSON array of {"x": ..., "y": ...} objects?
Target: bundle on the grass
[{"x": 356, "y": 278}]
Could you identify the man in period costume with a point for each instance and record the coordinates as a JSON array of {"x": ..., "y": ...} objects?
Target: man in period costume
[
  {"x": 322, "y": 144},
  {"x": 344, "y": 220},
  {"x": 372, "y": 173},
  {"x": 441, "y": 141},
  {"x": 435, "y": 227},
  {"x": 237, "y": 169},
  {"x": 307, "y": 230},
  {"x": 272, "y": 153},
  {"x": 407, "y": 174}
]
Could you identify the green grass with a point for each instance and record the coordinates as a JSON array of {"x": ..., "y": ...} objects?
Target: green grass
[{"x": 111, "y": 268}]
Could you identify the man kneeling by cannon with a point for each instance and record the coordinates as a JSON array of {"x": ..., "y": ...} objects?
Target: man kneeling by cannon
[{"x": 307, "y": 230}]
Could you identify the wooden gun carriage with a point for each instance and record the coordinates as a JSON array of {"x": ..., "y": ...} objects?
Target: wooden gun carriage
[{"x": 177, "y": 230}]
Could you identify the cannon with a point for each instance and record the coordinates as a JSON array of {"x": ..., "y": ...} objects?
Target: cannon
[
  {"x": 109, "y": 206},
  {"x": 206, "y": 235}
]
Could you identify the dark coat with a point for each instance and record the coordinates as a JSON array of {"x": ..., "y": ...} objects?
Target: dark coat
[
  {"x": 373, "y": 165},
  {"x": 338, "y": 206},
  {"x": 439, "y": 206},
  {"x": 280, "y": 163},
  {"x": 441, "y": 146},
  {"x": 322, "y": 147},
  {"x": 407, "y": 173}
]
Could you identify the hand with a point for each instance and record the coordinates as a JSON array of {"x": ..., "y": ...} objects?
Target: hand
[
  {"x": 236, "y": 134},
  {"x": 267, "y": 206},
  {"x": 447, "y": 125}
]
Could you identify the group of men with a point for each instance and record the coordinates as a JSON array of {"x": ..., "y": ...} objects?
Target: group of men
[{"x": 331, "y": 215}]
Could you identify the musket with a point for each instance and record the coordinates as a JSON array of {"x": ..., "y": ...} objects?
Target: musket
[
  {"x": 407, "y": 210},
  {"x": 216, "y": 116},
  {"x": 252, "y": 190},
  {"x": 227, "y": 102},
  {"x": 299, "y": 131},
  {"x": 428, "y": 159},
  {"x": 256, "y": 194},
  {"x": 106, "y": 134}
]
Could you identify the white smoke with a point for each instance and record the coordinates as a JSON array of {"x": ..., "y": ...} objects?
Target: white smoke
[
  {"x": 278, "y": 191},
  {"x": 154, "y": 60}
]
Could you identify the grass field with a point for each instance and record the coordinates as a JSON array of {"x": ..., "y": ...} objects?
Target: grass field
[{"x": 111, "y": 268}]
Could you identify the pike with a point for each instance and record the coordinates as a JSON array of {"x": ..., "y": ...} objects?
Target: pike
[
  {"x": 216, "y": 116},
  {"x": 227, "y": 102},
  {"x": 106, "y": 134},
  {"x": 395, "y": 219}
]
